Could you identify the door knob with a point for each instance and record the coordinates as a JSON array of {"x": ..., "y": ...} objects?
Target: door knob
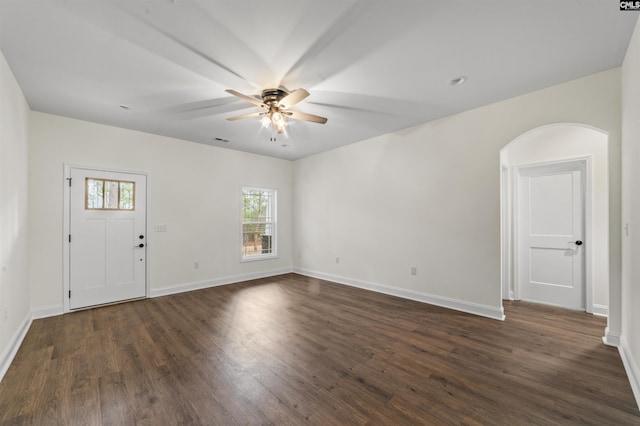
[
  {"x": 141, "y": 236},
  {"x": 578, "y": 243},
  {"x": 139, "y": 246}
]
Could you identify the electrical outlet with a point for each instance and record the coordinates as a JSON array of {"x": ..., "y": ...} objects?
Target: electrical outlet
[
  {"x": 337, "y": 260},
  {"x": 196, "y": 264},
  {"x": 414, "y": 270}
]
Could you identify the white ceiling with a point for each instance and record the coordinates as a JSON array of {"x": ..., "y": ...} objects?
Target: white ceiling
[{"x": 372, "y": 67}]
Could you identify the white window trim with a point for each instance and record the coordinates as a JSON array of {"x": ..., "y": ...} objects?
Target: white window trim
[{"x": 274, "y": 240}]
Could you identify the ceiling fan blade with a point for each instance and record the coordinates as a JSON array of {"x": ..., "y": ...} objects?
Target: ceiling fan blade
[
  {"x": 306, "y": 117},
  {"x": 249, "y": 99},
  {"x": 293, "y": 98},
  {"x": 240, "y": 117}
]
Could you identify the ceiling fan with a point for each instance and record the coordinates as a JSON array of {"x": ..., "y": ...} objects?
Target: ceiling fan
[{"x": 276, "y": 104}]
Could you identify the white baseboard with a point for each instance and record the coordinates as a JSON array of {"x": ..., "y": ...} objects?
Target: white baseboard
[
  {"x": 633, "y": 373},
  {"x": 14, "y": 344},
  {"x": 445, "y": 302},
  {"x": 47, "y": 311},
  {"x": 610, "y": 338},
  {"x": 197, "y": 285},
  {"x": 600, "y": 310}
]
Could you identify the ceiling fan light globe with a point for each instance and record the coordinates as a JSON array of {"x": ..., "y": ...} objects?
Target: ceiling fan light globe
[
  {"x": 280, "y": 126},
  {"x": 265, "y": 121},
  {"x": 277, "y": 117}
]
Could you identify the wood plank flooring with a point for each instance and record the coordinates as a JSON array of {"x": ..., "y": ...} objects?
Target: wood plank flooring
[{"x": 293, "y": 350}]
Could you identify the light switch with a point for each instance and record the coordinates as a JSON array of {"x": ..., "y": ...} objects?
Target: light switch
[{"x": 161, "y": 228}]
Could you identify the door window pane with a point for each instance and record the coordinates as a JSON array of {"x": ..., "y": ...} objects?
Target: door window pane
[
  {"x": 104, "y": 194},
  {"x": 94, "y": 194},
  {"x": 111, "y": 195},
  {"x": 126, "y": 195}
]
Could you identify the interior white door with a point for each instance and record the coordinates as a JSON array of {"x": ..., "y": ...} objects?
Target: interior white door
[
  {"x": 550, "y": 234},
  {"x": 107, "y": 237}
]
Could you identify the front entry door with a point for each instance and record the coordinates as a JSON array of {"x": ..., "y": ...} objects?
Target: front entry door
[
  {"x": 550, "y": 234},
  {"x": 107, "y": 237}
]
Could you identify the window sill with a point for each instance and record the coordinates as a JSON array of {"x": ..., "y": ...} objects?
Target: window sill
[{"x": 257, "y": 258}]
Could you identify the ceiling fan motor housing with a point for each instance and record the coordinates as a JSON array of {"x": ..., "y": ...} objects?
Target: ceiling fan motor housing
[{"x": 273, "y": 96}]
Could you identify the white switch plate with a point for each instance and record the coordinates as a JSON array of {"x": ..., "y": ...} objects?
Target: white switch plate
[{"x": 161, "y": 228}]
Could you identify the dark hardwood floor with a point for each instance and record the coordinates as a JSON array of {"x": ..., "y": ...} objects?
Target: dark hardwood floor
[{"x": 293, "y": 350}]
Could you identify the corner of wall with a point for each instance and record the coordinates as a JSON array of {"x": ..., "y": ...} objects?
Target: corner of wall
[
  {"x": 14, "y": 230},
  {"x": 629, "y": 345},
  {"x": 633, "y": 373},
  {"x": 11, "y": 349}
]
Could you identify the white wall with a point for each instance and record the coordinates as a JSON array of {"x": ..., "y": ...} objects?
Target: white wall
[
  {"x": 14, "y": 273},
  {"x": 428, "y": 196},
  {"x": 631, "y": 210},
  {"x": 194, "y": 190},
  {"x": 562, "y": 142}
]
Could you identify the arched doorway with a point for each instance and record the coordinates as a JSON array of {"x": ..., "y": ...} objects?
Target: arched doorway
[{"x": 546, "y": 148}]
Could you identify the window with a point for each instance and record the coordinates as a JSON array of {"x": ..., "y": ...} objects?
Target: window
[
  {"x": 258, "y": 223},
  {"x": 104, "y": 194}
]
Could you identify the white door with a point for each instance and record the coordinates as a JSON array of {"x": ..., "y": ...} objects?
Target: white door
[
  {"x": 107, "y": 237},
  {"x": 550, "y": 234}
]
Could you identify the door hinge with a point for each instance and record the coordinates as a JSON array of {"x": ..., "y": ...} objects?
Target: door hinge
[
  {"x": 69, "y": 179},
  {"x": 69, "y": 294},
  {"x": 69, "y": 237}
]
